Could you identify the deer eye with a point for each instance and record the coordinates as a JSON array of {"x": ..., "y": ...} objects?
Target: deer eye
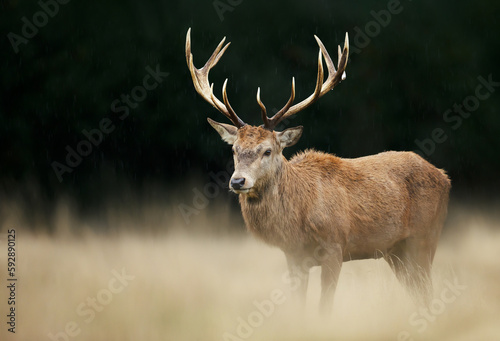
[{"x": 267, "y": 152}]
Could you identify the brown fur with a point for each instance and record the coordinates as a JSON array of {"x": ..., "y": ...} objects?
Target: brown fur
[{"x": 322, "y": 210}]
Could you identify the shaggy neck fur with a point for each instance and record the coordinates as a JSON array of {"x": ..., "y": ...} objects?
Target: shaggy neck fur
[{"x": 271, "y": 213}]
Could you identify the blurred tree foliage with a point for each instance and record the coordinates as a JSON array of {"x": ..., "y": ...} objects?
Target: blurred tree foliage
[{"x": 414, "y": 67}]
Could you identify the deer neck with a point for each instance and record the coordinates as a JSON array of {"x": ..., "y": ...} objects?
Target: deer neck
[{"x": 266, "y": 213}]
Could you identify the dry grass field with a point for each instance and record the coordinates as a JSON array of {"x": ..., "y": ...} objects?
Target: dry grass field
[{"x": 184, "y": 285}]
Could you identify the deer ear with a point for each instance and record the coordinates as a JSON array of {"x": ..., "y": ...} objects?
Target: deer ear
[
  {"x": 290, "y": 136},
  {"x": 226, "y": 131}
]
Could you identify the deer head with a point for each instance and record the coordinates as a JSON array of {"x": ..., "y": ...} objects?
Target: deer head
[{"x": 258, "y": 150}]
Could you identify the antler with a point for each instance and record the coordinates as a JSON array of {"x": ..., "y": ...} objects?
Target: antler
[
  {"x": 201, "y": 83},
  {"x": 334, "y": 78}
]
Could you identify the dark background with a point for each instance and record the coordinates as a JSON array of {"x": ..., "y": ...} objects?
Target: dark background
[{"x": 403, "y": 75}]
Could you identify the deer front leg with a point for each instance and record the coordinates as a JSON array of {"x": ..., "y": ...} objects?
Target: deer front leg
[
  {"x": 330, "y": 270},
  {"x": 298, "y": 279}
]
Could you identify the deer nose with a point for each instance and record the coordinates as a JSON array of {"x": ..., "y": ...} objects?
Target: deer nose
[{"x": 237, "y": 183}]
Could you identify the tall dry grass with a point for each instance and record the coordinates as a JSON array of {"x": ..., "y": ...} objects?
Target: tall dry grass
[{"x": 200, "y": 286}]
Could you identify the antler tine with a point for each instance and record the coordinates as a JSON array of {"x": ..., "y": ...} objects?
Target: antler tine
[
  {"x": 263, "y": 110},
  {"x": 202, "y": 85},
  {"x": 334, "y": 77},
  {"x": 346, "y": 47},
  {"x": 319, "y": 78},
  {"x": 188, "y": 46},
  {"x": 218, "y": 105},
  {"x": 339, "y": 53},
  {"x": 233, "y": 117},
  {"x": 271, "y": 123},
  {"x": 328, "y": 60}
]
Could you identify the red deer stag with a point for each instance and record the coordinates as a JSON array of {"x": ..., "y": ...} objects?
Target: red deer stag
[{"x": 322, "y": 210}]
